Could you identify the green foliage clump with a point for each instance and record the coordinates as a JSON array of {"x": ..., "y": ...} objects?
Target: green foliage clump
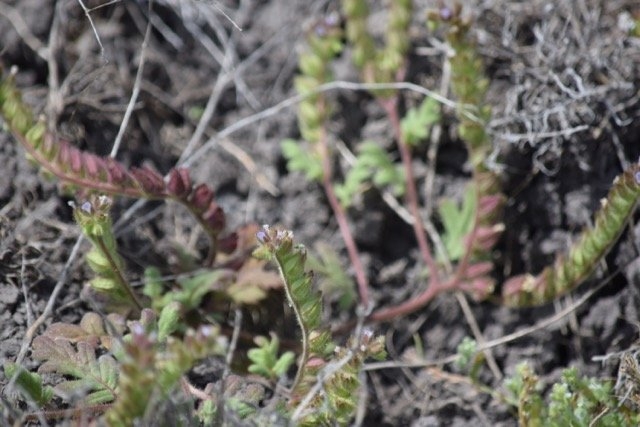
[
  {"x": 573, "y": 401},
  {"x": 265, "y": 360},
  {"x": 417, "y": 122},
  {"x": 372, "y": 165},
  {"x": 150, "y": 368},
  {"x": 324, "y": 391},
  {"x": 29, "y": 384}
]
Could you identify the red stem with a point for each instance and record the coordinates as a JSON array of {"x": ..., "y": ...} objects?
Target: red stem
[
  {"x": 390, "y": 106},
  {"x": 343, "y": 225},
  {"x": 415, "y": 303}
]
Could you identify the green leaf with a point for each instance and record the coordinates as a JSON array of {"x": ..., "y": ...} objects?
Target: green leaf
[
  {"x": 265, "y": 360},
  {"x": 372, "y": 165},
  {"x": 193, "y": 289},
  {"x": 153, "y": 287},
  {"x": 466, "y": 350},
  {"x": 29, "y": 384},
  {"x": 458, "y": 222},
  {"x": 97, "y": 377},
  {"x": 301, "y": 160},
  {"x": 169, "y": 320},
  {"x": 333, "y": 280},
  {"x": 416, "y": 124}
]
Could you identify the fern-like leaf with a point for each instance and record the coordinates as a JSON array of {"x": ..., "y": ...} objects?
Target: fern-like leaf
[
  {"x": 95, "y": 376},
  {"x": 277, "y": 246},
  {"x": 571, "y": 269},
  {"x": 416, "y": 124},
  {"x": 265, "y": 360},
  {"x": 372, "y": 164},
  {"x": 301, "y": 160},
  {"x": 79, "y": 169}
]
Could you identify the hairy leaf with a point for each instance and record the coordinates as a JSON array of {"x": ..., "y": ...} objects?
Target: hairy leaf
[
  {"x": 571, "y": 269},
  {"x": 95, "y": 376},
  {"x": 29, "y": 384},
  {"x": 277, "y": 245},
  {"x": 333, "y": 280},
  {"x": 458, "y": 221}
]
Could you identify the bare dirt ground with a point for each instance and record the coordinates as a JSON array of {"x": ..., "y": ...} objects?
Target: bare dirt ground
[{"x": 564, "y": 91}]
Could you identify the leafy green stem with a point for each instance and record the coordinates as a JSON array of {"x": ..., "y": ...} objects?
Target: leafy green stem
[
  {"x": 119, "y": 277},
  {"x": 306, "y": 302}
]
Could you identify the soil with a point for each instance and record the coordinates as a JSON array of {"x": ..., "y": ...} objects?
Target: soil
[{"x": 564, "y": 84}]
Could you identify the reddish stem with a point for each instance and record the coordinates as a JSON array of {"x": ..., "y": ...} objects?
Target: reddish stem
[
  {"x": 390, "y": 106},
  {"x": 415, "y": 303},
  {"x": 343, "y": 225}
]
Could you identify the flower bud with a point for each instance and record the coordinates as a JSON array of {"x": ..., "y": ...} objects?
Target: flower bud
[
  {"x": 214, "y": 217},
  {"x": 228, "y": 244},
  {"x": 479, "y": 269},
  {"x": 150, "y": 180},
  {"x": 117, "y": 174},
  {"x": 179, "y": 183},
  {"x": 485, "y": 238},
  {"x": 201, "y": 197}
]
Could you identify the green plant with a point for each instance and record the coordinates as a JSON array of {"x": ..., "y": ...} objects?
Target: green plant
[
  {"x": 265, "y": 360},
  {"x": 572, "y": 401},
  {"x": 470, "y": 232},
  {"x": 104, "y": 175},
  {"x": 324, "y": 389},
  {"x": 124, "y": 370},
  {"x": 95, "y": 222},
  {"x": 29, "y": 384}
]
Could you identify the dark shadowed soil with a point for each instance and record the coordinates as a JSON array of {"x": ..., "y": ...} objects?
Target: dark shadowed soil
[{"x": 564, "y": 91}]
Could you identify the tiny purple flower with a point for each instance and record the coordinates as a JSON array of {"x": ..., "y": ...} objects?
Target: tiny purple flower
[
  {"x": 446, "y": 13},
  {"x": 86, "y": 207},
  {"x": 263, "y": 235},
  {"x": 332, "y": 20},
  {"x": 321, "y": 30}
]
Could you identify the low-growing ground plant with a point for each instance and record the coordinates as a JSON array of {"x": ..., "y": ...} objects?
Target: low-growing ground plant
[{"x": 130, "y": 358}]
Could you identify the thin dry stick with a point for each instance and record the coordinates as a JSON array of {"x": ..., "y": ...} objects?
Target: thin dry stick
[
  {"x": 48, "y": 310},
  {"x": 224, "y": 77},
  {"x": 25, "y": 293},
  {"x": 136, "y": 88},
  {"x": 477, "y": 334},
  {"x": 55, "y": 102},
  {"x": 15, "y": 19},
  {"x": 221, "y": 82},
  {"x": 294, "y": 100},
  {"x": 220, "y": 414},
  {"x": 87, "y": 13}
]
